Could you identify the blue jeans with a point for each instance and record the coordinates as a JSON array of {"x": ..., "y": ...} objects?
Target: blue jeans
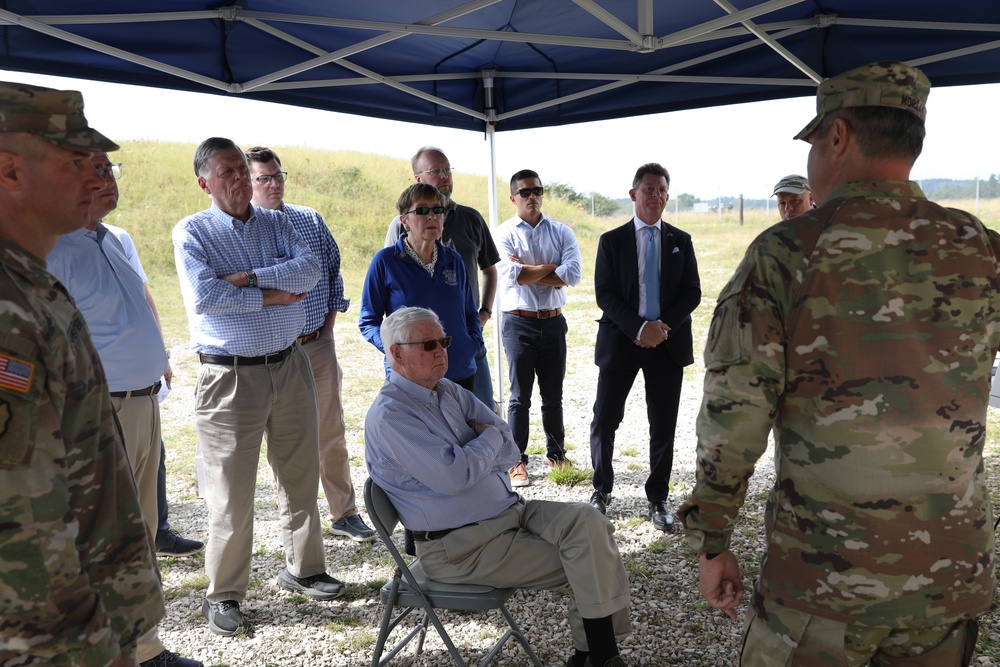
[
  {"x": 536, "y": 347},
  {"x": 484, "y": 381}
]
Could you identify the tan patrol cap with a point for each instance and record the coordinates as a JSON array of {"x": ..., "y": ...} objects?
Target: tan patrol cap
[
  {"x": 54, "y": 115},
  {"x": 882, "y": 84},
  {"x": 792, "y": 184}
]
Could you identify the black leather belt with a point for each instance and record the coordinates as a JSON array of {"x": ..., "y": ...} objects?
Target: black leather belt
[
  {"x": 537, "y": 314},
  {"x": 223, "y": 360},
  {"x": 302, "y": 340},
  {"x": 148, "y": 391},
  {"x": 428, "y": 535}
]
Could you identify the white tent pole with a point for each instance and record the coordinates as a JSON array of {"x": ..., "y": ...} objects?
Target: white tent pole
[{"x": 498, "y": 361}]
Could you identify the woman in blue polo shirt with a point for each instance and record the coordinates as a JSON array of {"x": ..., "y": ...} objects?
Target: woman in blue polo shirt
[{"x": 420, "y": 271}]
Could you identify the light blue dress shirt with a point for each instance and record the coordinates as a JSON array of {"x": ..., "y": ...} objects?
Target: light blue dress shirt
[
  {"x": 110, "y": 294},
  {"x": 548, "y": 242},
  {"x": 437, "y": 472},
  {"x": 232, "y": 320}
]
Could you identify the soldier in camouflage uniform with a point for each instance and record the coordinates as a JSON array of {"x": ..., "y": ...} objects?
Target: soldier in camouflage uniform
[
  {"x": 862, "y": 334},
  {"x": 78, "y": 583}
]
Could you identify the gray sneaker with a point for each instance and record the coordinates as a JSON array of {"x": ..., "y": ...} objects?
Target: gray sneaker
[{"x": 354, "y": 528}]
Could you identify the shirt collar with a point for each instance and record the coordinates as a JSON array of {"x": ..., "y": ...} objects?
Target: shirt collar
[
  {"x": 640, "y": 225},
  {"x": 412, "y": 389}
]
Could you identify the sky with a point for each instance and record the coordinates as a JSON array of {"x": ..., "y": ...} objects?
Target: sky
[{"x": 732, "y": 150}]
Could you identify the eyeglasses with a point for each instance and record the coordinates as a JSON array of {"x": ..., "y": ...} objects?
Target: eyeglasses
[
  {"x": 114, "y": 169},
  {"x": 527, "y": 192},
  {"x": 280, "y": 177},
  {"x": 437, "y": 171},
  {"x": 431, "y": 345},
  {"x": 427, "y": 210}
]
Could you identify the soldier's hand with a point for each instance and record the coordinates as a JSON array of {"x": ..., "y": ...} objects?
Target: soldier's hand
[{"x": 720, "y": 582}]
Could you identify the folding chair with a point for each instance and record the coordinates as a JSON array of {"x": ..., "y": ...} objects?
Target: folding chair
[{"x": 410, "y": 589}]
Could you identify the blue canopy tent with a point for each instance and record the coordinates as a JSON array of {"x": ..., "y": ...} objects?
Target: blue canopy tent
[{"x": 497, "y": 65}]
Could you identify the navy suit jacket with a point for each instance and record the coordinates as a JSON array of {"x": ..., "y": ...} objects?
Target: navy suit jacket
[{"x": 616, "y": 285}]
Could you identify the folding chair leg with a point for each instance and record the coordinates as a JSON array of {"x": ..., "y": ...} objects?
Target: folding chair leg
[{"x": 520, "y": 636}]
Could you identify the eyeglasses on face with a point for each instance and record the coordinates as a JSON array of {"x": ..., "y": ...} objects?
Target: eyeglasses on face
[
  {"x": 265, "y": 179},
  {"x": 437, "y": 171},
  {"x": 527, "y": 192},
  {"x": 431, "y": 345},
  {"x": 114, "y": 169},
  {"x": 427, "y": 210}
]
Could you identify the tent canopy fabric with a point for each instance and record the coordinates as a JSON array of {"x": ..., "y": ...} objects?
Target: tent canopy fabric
[{"x": 510, "y": 64}]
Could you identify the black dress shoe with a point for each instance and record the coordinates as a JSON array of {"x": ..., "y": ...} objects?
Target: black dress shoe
[
  {"x": 661, "y": 516},
  {"x": 601, "y": 501}
]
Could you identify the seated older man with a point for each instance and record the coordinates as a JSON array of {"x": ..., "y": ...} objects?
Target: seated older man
[{"x": 442, "y": 457}]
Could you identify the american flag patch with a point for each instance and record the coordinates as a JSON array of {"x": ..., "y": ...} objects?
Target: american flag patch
[{"x": 15, "y": 373}]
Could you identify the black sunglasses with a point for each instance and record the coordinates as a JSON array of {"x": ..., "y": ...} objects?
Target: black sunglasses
[
  {"x": 431, "y": 345},
  {"x": 424, "y": 210},
  {"x": 526, "y": 192}
]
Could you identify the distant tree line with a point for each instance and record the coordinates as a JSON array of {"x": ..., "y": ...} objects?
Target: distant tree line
[
  {"x": 946, "y": 188},
  {"x": 597, "y": 203}
]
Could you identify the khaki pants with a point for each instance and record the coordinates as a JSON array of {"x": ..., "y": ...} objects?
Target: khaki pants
[
  {"x": 140, "y": 420},
  {"x": 790, "y": 638},
  {"x": 334, "y": 465},
  {"x": 235, "y": 407},
  {"x": 540, "y": 544}
]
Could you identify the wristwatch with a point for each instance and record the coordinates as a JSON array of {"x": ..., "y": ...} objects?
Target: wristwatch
[
  {"x": 488, "y": 311},
  {"x": 251, "y": 278}
]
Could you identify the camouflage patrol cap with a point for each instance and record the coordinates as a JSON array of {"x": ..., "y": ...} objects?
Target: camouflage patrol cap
[
  {"x": 53, "y": 115},
  {"x": 793, "y": 184},
  {"x": 882, "y": 84}
]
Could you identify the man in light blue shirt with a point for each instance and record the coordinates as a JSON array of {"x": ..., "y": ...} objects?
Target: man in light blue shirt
[
  {"x": 244, "y": 272},
  {"x": 322, "y": 303},
  {"x": 91, "y": 263},
  {"x": 539, "y": 258},
  {"x": 442, "y": 458}
]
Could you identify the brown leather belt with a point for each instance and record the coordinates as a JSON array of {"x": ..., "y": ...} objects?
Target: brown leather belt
[
  {"x": 302, "y": 340},
  {"x": 540, "y": 314},
  {"x": 223, "y": 360},
  {"x": 148, "y": 391}
]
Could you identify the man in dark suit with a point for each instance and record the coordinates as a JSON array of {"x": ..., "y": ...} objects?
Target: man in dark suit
[{"x": 646, "y": 282}]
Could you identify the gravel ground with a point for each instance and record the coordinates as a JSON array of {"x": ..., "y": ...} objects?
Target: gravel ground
[{"x": 671, "y": 625}]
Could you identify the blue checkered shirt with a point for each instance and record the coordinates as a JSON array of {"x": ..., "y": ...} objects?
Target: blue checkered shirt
[
  {"x": 328, "y": 295},
  {"x": 231, "y": 320}
]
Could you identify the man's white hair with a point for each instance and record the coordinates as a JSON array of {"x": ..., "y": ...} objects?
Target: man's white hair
[{"x": 396, "y": 328}]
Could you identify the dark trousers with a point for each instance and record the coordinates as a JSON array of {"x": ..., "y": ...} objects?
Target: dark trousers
[
  {"x": 663, "y": 392},
  {"x": 162, "y": 525},
  {"x": 536, "y": 347}
]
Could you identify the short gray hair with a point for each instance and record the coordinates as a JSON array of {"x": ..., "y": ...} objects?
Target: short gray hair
[
  {"x": 396, "y": 328},
  {"x": 208, "y": 149}
]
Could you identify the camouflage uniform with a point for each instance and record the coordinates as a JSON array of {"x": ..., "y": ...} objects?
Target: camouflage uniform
[
  {"x": 78, "y": 583},
  {"x": 862, "y": 333}
]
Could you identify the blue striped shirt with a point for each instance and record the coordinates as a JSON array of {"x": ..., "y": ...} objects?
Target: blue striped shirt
[
  {"x": 231, "y": 320},
  {"x": 328, "y": 295},
  {"x": 437, "y": 472}
]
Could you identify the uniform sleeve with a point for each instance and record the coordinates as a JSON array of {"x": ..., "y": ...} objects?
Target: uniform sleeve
[
  {"x": 50, "y": 613},
  {"x": 744, "y": 376}
]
